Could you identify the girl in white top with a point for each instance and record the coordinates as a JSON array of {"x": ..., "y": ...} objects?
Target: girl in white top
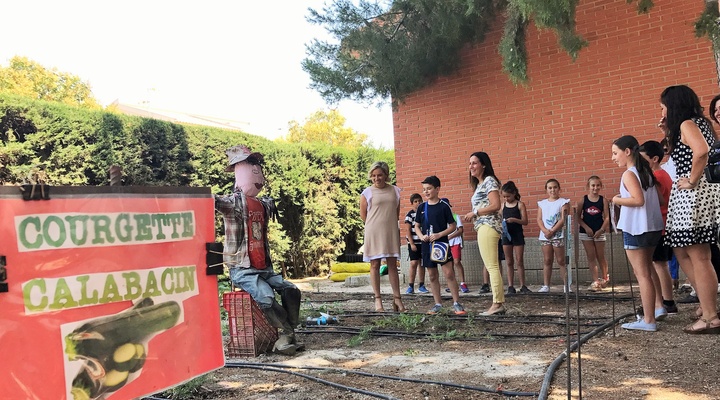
[
  {"x": 641, "y": 223},
  {"x": 551, "y": 219}
]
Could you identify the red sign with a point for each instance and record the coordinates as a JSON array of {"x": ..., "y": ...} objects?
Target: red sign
[{"x": 107, "y": 295}]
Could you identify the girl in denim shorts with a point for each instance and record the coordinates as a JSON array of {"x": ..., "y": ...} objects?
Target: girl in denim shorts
[{"x": 640, "y": 221}]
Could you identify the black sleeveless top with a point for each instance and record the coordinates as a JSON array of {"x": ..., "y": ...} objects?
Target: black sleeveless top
[
  {"x": 592, "y": 213},
  {"x": 513, "y": 212}
]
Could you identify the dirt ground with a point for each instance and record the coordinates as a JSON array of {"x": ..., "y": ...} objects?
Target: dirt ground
[{"x": 475, "y": 357}]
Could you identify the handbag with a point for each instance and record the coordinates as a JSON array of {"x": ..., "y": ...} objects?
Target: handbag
[
  {"x": 439, "y": 251},
  {"x": 712, "y": 170}
]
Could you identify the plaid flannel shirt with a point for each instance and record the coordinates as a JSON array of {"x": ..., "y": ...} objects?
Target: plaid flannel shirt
[{"x": 233, "y": 207}]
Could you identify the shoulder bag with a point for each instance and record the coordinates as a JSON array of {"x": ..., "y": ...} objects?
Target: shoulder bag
[{"x": 439, "y": 251}]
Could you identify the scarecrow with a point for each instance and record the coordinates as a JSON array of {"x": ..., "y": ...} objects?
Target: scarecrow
[{"x": 247, "y": 251}]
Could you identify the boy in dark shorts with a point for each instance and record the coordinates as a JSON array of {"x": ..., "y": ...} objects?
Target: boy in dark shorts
[
  {"x": 414, "y": 248},
  {"x": 433, "y": 223}
]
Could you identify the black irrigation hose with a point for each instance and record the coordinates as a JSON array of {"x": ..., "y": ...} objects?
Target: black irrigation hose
[
  {"x": 557, "y": 321},
  {"x": 527, "y": 318},
  {"x": 328, "y": 300},
  {"x": 277, "y": 368},
  {"x": 420, "y": 335},
  {"x": 544, "y": 390},
  {"x": 595, "y": 296},
  {"x": 390, "y": 377}
]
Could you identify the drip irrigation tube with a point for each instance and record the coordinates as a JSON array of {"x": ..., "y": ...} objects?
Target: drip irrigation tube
[
  {"x": 389, "y": 377},
  {"x": 487, "y": 336},
  {"x": 544, "y": 390},
  {"x": 280, "y": 368},
  {"x": 277, "y": 368},
  {"x": 526, "y": 319}
]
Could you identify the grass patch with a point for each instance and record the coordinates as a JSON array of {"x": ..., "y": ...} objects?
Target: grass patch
[
  {"x": 403, "y": 321},
  {"x": 187, "y": 390},
  {"x": 410, "y": 352},
  {"x": 358, "y": 339}
]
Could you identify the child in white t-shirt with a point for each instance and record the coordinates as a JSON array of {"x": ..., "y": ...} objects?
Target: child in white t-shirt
[{"x": 551, "y": 220}]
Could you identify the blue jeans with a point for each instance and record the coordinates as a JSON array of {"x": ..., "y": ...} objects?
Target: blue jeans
[{"x": 260, "y": 283}]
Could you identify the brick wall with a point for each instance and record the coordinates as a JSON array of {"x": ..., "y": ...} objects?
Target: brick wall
[{"x": 563, "y": 123}]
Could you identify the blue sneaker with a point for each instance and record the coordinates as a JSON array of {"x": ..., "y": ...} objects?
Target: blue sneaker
[
  {"x": 436, "y": 309},
  {"x": 660, "y": 314},
  {"x": 459, "y": 309},
  {"x": 640, "y": 325},
  {"x": 447, "y": 290},
  {"x": 410, "y": 290},
  {"x": 422, "y": 289},
  {"x": 464, "y": 288}
]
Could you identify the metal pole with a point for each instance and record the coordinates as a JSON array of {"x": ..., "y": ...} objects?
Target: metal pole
[
  {"x": 612, "y": 277},
  {"x": 575, "y": 229},
  {"x": 566, "y": 289}
]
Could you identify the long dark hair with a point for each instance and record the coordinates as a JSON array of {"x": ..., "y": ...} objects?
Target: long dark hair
[
  {"x": 682, "y": 104},
  {"x": 713, "y": 108},
  {"x": 647, "y": 179},
  {"x": 487, "y": 171},
  {"x": 509, "y": 187}
]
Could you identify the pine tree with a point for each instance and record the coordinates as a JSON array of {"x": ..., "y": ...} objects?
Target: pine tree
[{"x": 392, "y": 49}]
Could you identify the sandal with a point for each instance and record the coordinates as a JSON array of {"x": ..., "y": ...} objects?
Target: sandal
[
  {"x": 378, "y": 304},
  {"x": 697, "y": 314},
  {"x": 500, "y": 310},
  {"x": 708, "y": 329},
  {"x": 398, "y": 307}
]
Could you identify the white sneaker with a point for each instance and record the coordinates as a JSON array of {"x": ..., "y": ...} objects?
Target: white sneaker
[
  {"x": 567, "y": 289},
  {"x": 544, "y": 289},
  {"x": 694, "y": 293},
  {"x": 685, "y": 287}
]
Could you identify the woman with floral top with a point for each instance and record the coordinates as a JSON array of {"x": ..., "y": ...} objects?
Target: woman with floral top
[{"x": 485, "y": 215}]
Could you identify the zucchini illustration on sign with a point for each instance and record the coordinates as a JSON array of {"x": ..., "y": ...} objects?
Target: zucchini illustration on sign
[
  {"x": 109, "y": 286},
  {"x": 113, "y": 348}
]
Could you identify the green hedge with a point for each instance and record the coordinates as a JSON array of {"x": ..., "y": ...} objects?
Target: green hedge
[{"x": 316, "y": 187}]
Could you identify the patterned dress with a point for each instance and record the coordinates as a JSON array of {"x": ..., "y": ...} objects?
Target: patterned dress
[{"x": 692, "y": 214}]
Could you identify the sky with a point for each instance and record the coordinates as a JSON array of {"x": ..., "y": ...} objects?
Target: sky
[{"x": 234, "y": 59}]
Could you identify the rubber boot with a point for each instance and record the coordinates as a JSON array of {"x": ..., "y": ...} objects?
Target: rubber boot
[
  {"x": 284, "y": 345},
  {"x": 291, "y": 298},
  {"x": 277, "y": 316},
  {"x": 291, "y": 303}
]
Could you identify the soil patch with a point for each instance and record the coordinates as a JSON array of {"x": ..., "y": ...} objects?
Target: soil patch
[{"x": 474, "y": 357}]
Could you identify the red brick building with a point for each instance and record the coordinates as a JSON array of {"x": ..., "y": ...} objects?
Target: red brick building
[{"x": 563, "y": 123}]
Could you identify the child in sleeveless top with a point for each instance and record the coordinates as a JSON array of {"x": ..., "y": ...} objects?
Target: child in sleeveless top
[
  {"x": 641, "y": 223},
  {"x": 593, "y": 215},
  {"x": 514, "y": 216},
  {"x": 551, "y": 220}
]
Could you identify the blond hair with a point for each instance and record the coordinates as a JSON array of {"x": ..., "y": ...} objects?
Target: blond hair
[{"x": 379, "y": 164}]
